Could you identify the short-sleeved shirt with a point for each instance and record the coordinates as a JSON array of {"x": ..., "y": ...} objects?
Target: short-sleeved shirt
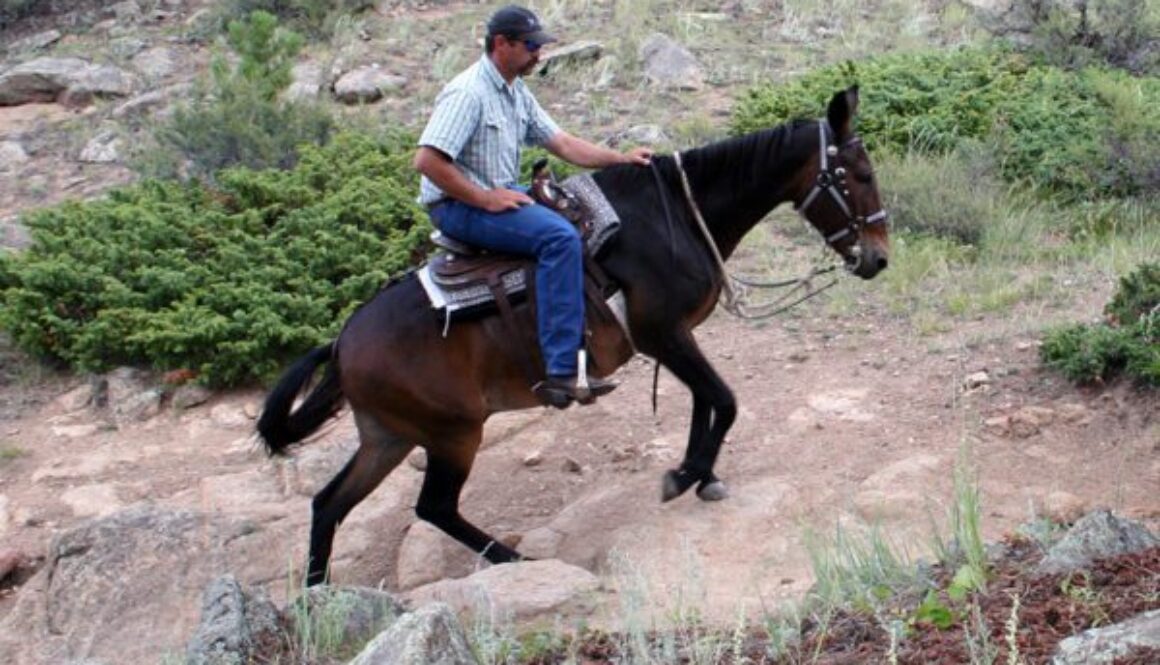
[{"x": 480, "y": 122}]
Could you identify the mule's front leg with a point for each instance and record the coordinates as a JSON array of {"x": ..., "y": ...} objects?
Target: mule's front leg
[{"x": 714, "y": 410}]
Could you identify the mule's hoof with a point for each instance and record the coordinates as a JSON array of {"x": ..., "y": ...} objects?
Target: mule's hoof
[
  {"x": 713, "y": 491},
  {"x": 675, "y": 483}
]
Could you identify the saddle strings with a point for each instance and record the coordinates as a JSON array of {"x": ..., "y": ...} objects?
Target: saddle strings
[{"x": 736, "y": 289}]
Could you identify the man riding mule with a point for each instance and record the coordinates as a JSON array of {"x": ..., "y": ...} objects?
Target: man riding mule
[
  {"x": 412, "y": 382},
  {"x": 469, "y": 156}
]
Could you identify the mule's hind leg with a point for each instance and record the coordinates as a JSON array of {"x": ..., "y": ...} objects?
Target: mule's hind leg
[
  {"x": 379, "y": 453},
  {"x": 448, "y": 466}
]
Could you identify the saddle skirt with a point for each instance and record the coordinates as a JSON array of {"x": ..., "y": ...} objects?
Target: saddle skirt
[{"x": 461, "y": 280}]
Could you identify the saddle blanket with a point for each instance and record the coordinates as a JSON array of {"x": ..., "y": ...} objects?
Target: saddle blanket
[{"x": 605, "y": 224}]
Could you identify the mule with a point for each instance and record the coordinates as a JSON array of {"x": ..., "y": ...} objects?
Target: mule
[{"x": 409, "y": 381}]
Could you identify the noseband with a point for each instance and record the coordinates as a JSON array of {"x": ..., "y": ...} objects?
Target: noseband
[{"x": 833, "y": 182}]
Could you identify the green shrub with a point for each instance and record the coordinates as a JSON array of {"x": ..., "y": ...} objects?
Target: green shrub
[
  {"x": 1129, "y": 342},
  {"x": 1138, "y": 296},
  {"x": 231, "y": 281},
  {"x": 952, "y": 195},
  {"x": 1081, "y": 135},
  {"x": 239, "y": 119},
  {"x": 314, "y": 18}
]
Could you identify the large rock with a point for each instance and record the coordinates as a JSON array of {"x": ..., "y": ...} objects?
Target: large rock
[
  {"x": 1098, "y": 535},
  {"x": 516, "y": 591},
  {"x": 35, "y": 42},
  {"x": 1106, "y": 644},
  {"x": 51, "y": 79},
  {"x": 12, "y": 155},
  {"x": 306, "y": 82},
  {"x": 571, "y": 55},
  {"x": 670, "y": 65},
  {"x": 102, "y": 149},
  {"x": 157, "y": 63},
  {"x": 366, "y": 84},
  {"x": 422, "y": 557},
  {"x": 235, "y": 627},
  {"x": 429, "y": 636},
  {"x": 126, "y": 588}
]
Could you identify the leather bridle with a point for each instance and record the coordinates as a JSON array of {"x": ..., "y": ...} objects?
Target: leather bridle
[{"x": 831, "y": 180}]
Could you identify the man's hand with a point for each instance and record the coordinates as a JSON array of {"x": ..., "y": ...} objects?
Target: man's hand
[
  {"x": 640, "y": 155},
  {"x": 501, "y": 199}
]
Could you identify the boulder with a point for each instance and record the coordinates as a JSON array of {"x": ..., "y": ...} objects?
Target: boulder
[
  {"x": 236, "y": 627},
  {"x": 571, "y": 55},
  {"x": 35, "y": 42},
  {"x": 422, "y": 557},
  {"x": 366, "y": 84},
  {"x": 101, "y": 149},
  {"x": 1096, "y": 536},
  {"x": 428, "y": 636},
  {"x": 12, "y": 155},
  {"x": 51, "y": 79},
  {"x": 156, "y": 63},
  {"x": 125, "y": 588},
  {"x": 669, "y": 65},
  {"x": 1108, "y": 643},
  {"x": 517, "y": 591}
]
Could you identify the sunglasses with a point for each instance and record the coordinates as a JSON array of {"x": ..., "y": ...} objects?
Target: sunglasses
[{"x": 530, "y": 44}]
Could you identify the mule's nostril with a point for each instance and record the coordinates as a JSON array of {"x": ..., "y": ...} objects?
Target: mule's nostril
[{"x": 882, "y": 264}]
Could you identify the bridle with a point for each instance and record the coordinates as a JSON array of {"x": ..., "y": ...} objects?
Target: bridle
[{"x": 832, "y": 181}]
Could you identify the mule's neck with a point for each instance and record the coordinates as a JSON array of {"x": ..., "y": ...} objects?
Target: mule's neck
[{"x": 737, "y": 182}]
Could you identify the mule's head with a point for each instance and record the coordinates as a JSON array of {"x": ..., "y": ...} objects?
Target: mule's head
[{"x": 841, "y": 200}]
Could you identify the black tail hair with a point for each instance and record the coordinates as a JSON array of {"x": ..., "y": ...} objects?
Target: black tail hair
[{"x": 278, "y": 427}]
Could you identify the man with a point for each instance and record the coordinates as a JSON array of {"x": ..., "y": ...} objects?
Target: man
[{"x": 469, "y": 156}]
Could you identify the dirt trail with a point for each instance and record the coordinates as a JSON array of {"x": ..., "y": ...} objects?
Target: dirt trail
[{"x": 841, "y": 420}]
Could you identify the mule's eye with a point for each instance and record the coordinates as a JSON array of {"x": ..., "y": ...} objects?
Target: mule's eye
[{"x": 864, "y": 177}]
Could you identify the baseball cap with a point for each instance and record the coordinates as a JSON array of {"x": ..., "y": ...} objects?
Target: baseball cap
[{"x": 519, "y": 22}]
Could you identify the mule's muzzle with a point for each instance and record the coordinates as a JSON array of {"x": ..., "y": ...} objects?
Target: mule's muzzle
[{"x": 866, "y": 262}]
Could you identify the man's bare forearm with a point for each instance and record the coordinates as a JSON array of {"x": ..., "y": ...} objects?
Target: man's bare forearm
[{"x": 591, "y": 156}]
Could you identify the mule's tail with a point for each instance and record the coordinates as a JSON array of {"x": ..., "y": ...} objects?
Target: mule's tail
[{"x": 278, "y": 427}]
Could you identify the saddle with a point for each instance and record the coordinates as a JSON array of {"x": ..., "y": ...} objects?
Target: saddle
[{"x": 463, "y": 271}]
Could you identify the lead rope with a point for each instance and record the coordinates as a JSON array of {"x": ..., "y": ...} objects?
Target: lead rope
[
  {"x": 735, "y": 300},
  {"x": 730, "y": 294}
]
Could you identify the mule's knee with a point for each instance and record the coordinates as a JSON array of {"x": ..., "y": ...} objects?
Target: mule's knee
[{"x": 435, "y": 514}]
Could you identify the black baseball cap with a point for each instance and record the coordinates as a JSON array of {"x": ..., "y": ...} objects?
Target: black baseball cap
[{"x": 516, "y": 21}]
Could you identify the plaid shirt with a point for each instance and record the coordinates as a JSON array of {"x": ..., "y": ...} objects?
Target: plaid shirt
[{"x": 480, "y": 122}]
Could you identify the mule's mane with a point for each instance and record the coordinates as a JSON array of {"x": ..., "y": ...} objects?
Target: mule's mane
[
  {"x": 761, "y": 156},
  {"x": 736, "y": 181},
  {"x": 764, "y": 153}
]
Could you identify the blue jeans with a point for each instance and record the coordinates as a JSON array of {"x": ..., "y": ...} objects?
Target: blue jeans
[{"x": 538, "y": 232}]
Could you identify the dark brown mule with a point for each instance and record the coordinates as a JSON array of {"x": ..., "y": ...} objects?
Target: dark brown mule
[{"x": 409, "y": 385}]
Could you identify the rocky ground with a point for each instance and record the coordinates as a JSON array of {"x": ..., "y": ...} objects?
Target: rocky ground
[{"x": 850, "y": 414}]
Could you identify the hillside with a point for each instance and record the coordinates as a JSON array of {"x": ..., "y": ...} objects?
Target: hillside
[{"x": 857, "y": 408}]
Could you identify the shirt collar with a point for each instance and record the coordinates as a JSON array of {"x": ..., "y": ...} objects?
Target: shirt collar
[{"x": 491, "y": 73}]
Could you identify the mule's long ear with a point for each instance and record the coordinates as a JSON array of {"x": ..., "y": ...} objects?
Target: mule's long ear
[{"x": 843, "y": 108}]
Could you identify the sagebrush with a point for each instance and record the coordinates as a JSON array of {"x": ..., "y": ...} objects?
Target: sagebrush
[
  {"x": 230, "y": 281},
  {"x": 1127, "y": 342},
  {"x": 239, "y": 117},
  {"x": 1080, "y": 135},
  {"x": 314, "y": 18}
]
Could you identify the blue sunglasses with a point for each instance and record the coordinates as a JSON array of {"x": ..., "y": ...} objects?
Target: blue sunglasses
[{"x": 530, "y": 44}]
